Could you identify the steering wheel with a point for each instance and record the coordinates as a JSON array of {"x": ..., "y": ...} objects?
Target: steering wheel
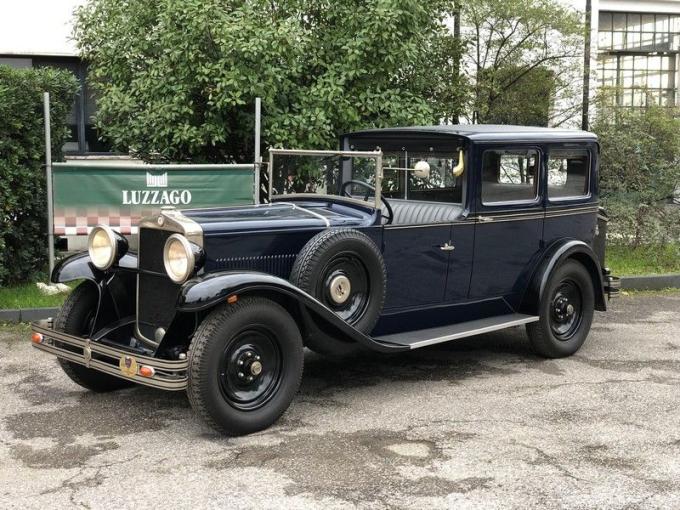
[{"x": 369, "y": 189}]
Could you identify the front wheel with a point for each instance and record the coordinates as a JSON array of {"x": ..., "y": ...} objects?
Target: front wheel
[
  {"x": 75, "y": 317},
  {"x": 565, "y": 312},
  {"x": 245, "y": 366}
]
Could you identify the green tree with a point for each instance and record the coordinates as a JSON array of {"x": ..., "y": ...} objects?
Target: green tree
[
  {"x": 176, "y": 79},
  {"x": 517, "y": 51},
  {"x": 23, "y": 207},
  {"x": 639, "y": 171}
]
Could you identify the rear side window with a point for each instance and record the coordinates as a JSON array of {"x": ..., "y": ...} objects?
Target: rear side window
[
  {"x": 568, "y": 174},
  {"x": 509, "y": 175}
]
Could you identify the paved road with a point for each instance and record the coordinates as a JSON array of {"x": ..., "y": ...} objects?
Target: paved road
[{"x": 476, "y": 423}]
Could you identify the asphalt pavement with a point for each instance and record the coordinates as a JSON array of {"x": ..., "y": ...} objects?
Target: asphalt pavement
[{"x": 475, "y": 423}]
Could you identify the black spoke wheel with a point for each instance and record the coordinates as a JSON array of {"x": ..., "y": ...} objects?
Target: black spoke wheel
[
  {"x": 251, "y": 368},
  {"x": 245, "y": 365},
  {"x": 565, "y": 312}
]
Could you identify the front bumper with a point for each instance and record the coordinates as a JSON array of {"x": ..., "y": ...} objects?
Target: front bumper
[{"x": 163, "y": 374}]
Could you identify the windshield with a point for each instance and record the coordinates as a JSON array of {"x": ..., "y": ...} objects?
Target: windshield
[{"x": 349, "y": 174}]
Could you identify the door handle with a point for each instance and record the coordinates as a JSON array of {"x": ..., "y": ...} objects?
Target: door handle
[
  {"x": 485, "y": 219},
  {"x": 447, "y": 247}
]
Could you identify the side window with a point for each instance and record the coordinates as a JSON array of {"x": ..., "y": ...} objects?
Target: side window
[
  {"x": 509, "y": 175},
  {"x": 568, "y": 173},
  {"x": 440, "y": 186}
]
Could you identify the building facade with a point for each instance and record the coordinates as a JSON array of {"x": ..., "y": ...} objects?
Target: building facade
[
  {"x": 35, "y": 33},
  {"x": 635, "y": 50}
]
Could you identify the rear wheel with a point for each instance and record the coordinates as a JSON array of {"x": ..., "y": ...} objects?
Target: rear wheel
[
  {"x": 565, "y": 312},
  {"x": 75, "y": 318},
  {"x": 245, "y": 366}
]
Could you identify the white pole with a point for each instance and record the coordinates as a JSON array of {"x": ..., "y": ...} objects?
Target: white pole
[
  {"x": 48, "y": 168},
  {"x": 258, "y": 157}
]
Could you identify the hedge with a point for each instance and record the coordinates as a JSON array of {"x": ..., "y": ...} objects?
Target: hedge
[{"x": 23, "y": 209}]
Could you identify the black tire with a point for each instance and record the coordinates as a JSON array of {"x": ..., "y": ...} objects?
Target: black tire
[
  {"x": 74, "y": 318},
  {"x": 342, "y": 253},
  {"x": 222, "y": 355},
  {"x": 565, "y": 312}
]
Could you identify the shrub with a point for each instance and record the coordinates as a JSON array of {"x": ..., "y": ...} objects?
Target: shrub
[
  {"x": 23, "y": 206},
  {"x": 639, "y": 171}
]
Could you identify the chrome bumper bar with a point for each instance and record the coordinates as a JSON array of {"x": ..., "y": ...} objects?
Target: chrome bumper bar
[{"x": 161, "y": 373}]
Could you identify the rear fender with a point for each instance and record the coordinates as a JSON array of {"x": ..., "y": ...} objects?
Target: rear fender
[
  {"x": 202, "y": 294},
  {"x": 555, "y": 255}
]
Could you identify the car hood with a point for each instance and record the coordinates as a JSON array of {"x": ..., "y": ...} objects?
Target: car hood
[{"x": 276, "y": 216}]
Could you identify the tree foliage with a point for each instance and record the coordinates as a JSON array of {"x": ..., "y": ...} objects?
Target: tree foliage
[
  {"x": 639, "y": 171},
  {"x": 23, "y": 208},
  {"x": 518, "y": 48},
  {"x": 176, "y": 79}
]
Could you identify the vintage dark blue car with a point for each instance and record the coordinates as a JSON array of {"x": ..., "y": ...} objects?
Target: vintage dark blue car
[{"x": 404, "y": 238}]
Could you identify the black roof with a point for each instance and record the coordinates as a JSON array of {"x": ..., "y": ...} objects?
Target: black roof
[{"x": 486, "y": 132}]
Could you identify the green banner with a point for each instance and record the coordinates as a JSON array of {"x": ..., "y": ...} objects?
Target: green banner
[{"x": 119, "y": 195}]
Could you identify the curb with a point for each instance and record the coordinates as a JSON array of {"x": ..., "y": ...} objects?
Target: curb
[
  {"x": 650, "y": 282},
  {"x": 27, "y": 314}
]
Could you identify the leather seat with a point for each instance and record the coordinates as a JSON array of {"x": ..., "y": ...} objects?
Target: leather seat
[{"x": 407, "y": 212}]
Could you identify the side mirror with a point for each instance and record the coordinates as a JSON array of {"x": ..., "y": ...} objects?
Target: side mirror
[{"x": 422, "y": 170}]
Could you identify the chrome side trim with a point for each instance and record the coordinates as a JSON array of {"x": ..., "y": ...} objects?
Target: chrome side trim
[
  {"x": 313, "y": 213},
  {"x": 169, "y": 375}
]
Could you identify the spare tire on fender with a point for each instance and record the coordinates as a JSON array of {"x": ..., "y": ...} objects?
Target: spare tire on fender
[{"x": 344, "y": 270}]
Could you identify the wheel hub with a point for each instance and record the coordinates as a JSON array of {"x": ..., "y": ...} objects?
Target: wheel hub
[
  {"x": 563, "y": 309},
  {"x": 340, "y": 289},
  {"x": 249, "y": 366}
]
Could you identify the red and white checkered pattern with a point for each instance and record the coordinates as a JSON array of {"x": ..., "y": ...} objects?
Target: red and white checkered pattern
[{"x": 71, "y": 221}]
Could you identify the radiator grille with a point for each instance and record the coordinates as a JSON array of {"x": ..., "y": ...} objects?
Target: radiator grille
[{"x": 157, "y": 293}]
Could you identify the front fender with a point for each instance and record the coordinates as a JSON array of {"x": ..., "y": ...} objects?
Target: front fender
[
  {"x": 557, "y": 253},
  {"x": 80, "y": 267},
  {"x": 205, "y": 292}
]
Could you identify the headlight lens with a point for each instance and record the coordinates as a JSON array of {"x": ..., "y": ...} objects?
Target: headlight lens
[
  {"x": 102, "y": 246},
  {"x": 178, "y": 258}
]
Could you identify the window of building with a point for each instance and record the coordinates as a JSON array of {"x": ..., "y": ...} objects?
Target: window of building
[
  {"x": 568, "y": 173},
  {"x": 83, "y": 137},
  {"x": 509, "y": 176},
  {"x": 638, "y": 56},
  {"x": 440, "y": 186}
]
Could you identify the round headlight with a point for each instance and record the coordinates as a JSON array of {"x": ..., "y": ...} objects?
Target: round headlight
[
  {"x": 102, "y": 246},
  {"x": 178, "y": 258}
]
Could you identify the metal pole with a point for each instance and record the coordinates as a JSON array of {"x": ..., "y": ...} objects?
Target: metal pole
[
  {"x": 258, "y": 157},
  {"x": 586, "y": 66},
  {"x": 48, "y": 169}
]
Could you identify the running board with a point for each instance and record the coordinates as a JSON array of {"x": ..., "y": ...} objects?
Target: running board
[{"x": 431, "y": 336}]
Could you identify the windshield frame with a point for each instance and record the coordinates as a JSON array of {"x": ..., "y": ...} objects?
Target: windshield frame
[{"x": 377, "y": 155}]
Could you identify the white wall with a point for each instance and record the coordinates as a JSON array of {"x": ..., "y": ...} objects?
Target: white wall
[{"x": 37, "y": 27}]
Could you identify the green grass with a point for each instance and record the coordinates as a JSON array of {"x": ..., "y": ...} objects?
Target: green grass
[
  {"x": 27, "y": 295},
  {"x": 627, "y": 261}
]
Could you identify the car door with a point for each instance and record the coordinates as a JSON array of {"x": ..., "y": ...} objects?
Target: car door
[
  {"x": 509, "y": 219},
  {"x": 418, "y": 245}
]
